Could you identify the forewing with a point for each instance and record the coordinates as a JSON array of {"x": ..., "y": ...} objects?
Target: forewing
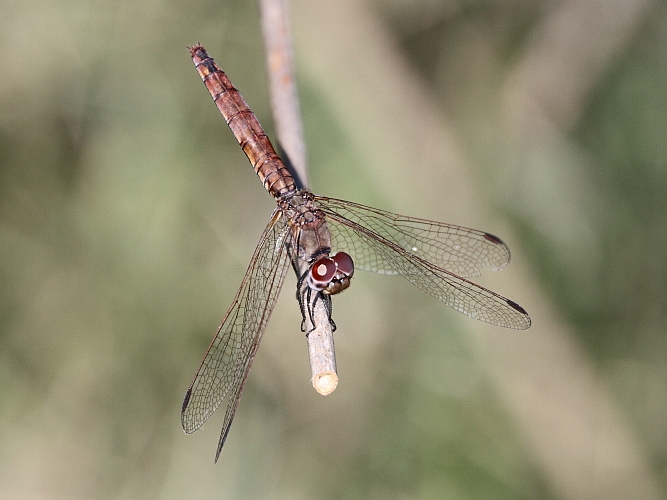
[
  {"x": 465, "y": 296},
  {"x": 227, "y": 362},
  {"x": 461, "y": 250}
]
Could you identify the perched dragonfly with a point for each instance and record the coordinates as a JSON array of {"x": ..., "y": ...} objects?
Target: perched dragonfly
[{"x": 333, "y": 237}]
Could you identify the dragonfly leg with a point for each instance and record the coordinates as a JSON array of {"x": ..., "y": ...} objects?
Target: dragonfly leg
[
  {"x": 307, "y": 306},
  {"x": 300, "y": 296},
  {"x": 328, "y": 304},
  {"x": 326, "y": 300}
]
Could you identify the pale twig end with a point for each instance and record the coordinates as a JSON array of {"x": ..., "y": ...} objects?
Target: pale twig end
[{"x": 325, "y": 383}]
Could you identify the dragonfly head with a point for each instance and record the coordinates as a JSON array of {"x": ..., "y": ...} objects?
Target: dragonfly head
[{"x": 331, "y": 275}]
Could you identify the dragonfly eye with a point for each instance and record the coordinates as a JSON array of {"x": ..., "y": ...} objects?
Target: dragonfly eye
[
  {"x": 321, "y": 273},
  {"x": 344, "y": 264}
]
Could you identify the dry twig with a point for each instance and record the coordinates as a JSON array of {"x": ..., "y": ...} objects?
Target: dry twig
[{"x": 285, "y": 105}]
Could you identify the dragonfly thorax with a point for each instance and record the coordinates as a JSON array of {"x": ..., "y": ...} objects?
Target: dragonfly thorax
[
  {"x": 307, "y": 224},
  {"x": 331, "y": 275}
]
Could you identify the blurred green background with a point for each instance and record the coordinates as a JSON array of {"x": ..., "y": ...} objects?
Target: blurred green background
[{"x": 128, "y": 215}]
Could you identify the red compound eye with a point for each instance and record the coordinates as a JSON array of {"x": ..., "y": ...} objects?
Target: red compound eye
[
  {"x": 344, "y": 263},
  {"x": 321, "y": 273}
]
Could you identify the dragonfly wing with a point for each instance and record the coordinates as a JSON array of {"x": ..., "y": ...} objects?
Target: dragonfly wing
[
  {"x": 224, "y": 369},
  {"x": 465, "y": 296},
  {"x": 461, "y": 250}
]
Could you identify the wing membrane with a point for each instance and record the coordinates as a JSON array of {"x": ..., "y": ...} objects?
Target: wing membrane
[
  {"x": 461, "y": 250},
  {"x": 225, "y": 367},
  {"x": 382, "y": 254}
]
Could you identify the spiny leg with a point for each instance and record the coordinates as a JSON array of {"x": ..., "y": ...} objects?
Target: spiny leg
[
  {"x": 311, "y": 302},
  {"x": 299, "y": 298},
  {"x": 328, "y": 304}
]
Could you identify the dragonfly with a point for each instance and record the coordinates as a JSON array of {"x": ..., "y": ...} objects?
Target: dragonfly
[{"x": 333, "y": 237}]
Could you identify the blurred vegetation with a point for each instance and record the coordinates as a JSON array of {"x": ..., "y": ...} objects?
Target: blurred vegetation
[{"x": 128, "y": 214}]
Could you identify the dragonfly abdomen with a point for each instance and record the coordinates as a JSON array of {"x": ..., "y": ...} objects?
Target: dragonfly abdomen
[{"x": 244, "y": 125}]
